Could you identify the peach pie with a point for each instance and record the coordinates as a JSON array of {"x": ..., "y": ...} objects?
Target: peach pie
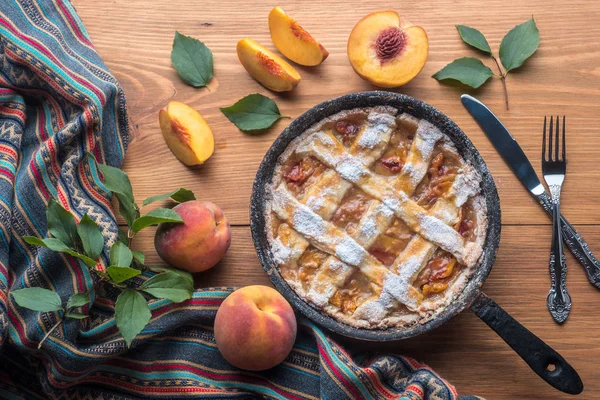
[{"x": 375, "y": 218}]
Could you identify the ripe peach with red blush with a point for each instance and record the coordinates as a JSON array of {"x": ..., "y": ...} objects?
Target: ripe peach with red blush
[
  {"x": 199, "y": 242},
  {"x": 255, "y": 328}
]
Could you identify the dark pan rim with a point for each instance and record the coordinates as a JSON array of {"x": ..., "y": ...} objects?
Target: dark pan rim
[{"x": 420, "y": 110}]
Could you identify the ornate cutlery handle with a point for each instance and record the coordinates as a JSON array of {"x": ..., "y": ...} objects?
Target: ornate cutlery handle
[
  {"x": 576, "y": 243},
  {"x": 559, "y": 300}
]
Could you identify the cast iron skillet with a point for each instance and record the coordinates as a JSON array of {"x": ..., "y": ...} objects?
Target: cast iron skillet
[{"x": 542, "y": 359}]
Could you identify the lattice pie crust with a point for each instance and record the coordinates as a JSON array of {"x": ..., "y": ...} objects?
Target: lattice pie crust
[{"x": 344, "y": 275}]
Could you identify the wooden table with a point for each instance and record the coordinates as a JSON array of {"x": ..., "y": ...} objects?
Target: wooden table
[{"x": 135, "y": 36}]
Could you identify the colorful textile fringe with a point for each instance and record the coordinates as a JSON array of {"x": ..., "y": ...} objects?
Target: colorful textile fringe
[{"x": 57, "y": 102}]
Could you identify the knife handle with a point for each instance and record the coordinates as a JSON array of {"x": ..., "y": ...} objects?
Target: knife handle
[{"x": 575, "y": 242}]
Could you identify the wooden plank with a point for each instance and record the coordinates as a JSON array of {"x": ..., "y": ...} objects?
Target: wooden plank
[
  {"x": 135, "y": 39},
  {"x": 465, "y": 351}
]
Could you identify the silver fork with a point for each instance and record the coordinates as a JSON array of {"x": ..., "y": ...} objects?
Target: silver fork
[{"x": 554, "y": 169}]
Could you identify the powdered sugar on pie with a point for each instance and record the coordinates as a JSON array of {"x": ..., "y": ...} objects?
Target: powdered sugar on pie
[{"x": 375, "y": 218}]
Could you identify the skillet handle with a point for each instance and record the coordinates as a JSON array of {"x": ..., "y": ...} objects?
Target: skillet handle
[{"x": 538, "y": 355}]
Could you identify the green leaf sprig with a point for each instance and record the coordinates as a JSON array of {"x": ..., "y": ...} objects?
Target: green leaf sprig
[
  {"x": 253, "y": 113},
  {"x": 517, "y": 46},
  {"x": 84, "y": 241}
]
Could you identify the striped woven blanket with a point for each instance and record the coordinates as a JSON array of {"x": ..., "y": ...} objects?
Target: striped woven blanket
[{"x": 57, "y": 102}]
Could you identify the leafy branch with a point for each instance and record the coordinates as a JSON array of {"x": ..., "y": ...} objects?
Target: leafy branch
[
  {"x": 85, "y": 242},
  {"x": 517, "y": 46}
]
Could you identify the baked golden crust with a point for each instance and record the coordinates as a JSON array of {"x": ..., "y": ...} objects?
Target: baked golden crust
[{"x": 375, "y": 218}]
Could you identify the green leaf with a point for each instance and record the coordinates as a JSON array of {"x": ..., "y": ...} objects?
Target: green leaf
[
  {"x": 253, "y": 112},
  {"x": 120, "y": 255},
  {"x": 139, "y": 256},
  {"x": 57, "y": 245},
  {"x": 126, "y": 208},
  {"x": 123, "y": 237},
  {"x": 78, "y": 300},
  {"x": 102, "y": 274},
  {"x": 180, "y": 195},
  {"x": 118, "y": 183},
  {"x": 468, "y": 70},
  {"x": 519, "y": 44},
  {"x": 474, "y": 38},
  {"x": 37, "y": 299},
  {"x": 186, "y": 275},
  {"x": 91, "y": 237},
  {"x": 121, "y": 274},
  {"x": 61, "y": 224},
  {"x": 155, "y": 217},
  {"x": 36, "y": 241},
  {"x": 115, "y": 179},
  {"x": 131, "y": 314},
  {"x": 169, "y": 285},
  {"x": 192, "y": 60},
  {"x": 75, "y": 315}
]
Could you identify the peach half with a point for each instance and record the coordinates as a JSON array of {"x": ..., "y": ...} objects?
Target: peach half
[
  {"x": 266, "y": 67},
  {"x": 387, "y": 51},
  {"x": 255, "y": 328},
  {"x": 293, "y": 41},
  {"x": 187, "y": 134}
]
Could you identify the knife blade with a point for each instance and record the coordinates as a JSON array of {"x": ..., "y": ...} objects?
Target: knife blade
[
  {"x": 505, "y": 143},
  {"x": 516, "y": 159}
]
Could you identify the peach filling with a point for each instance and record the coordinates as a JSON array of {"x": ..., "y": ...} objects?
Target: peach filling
[
  {"x": 441, "y": 175},
  {"x": 393, "y": 159},
  {"x": 347, "y": 131},
  {"x": 388, "y": 246},
  {"x": 302, "y": 173},
  {"x": 351, "y": 209},
  {"x": 466, "y": 226},
  {"x": 437, "y": 274},
  {"x": 308, "y": 264},
  {"x": 348, "y": 298}
]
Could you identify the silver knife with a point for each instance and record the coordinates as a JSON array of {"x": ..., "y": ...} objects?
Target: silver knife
[{"x": 516, "y": 159}]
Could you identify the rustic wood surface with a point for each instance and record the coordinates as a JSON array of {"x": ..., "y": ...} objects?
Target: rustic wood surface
[{"x": 135, "y": 36}]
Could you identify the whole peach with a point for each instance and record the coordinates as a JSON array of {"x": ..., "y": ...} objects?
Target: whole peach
[
  {"x": 255, "y": 328},
  {"x": 199, "y": 242}
]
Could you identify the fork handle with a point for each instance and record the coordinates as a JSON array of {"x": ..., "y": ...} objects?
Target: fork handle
[
  {"x": 559, "y": 300},
  {"x": 575, "y": 243}
]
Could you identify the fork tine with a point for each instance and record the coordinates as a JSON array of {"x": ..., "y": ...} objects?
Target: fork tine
[
  {"x": 550, "y": 132},
  {"x": 544, "y": 141},
  {"x": 556, "y": 139},
  {"x": 564, "y": 141}
]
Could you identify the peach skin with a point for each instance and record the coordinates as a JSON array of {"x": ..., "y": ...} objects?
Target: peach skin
[
  {"x": 187, "y": 134},
  {"x": 266, "y": 67},
  {"x": 387, "y": 51},
  {"x": 199, "y": 242},
  {"x": 255, "y": 328},
  {"x": 293, "y": 41}
]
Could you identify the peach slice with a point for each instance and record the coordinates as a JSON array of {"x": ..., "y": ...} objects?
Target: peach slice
[
  {"x": 187, "y": 134},
  {"x": 267, "y": 68},
  {"x": 387, "y": 51},
  {"x": 293, "y": 41}
]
